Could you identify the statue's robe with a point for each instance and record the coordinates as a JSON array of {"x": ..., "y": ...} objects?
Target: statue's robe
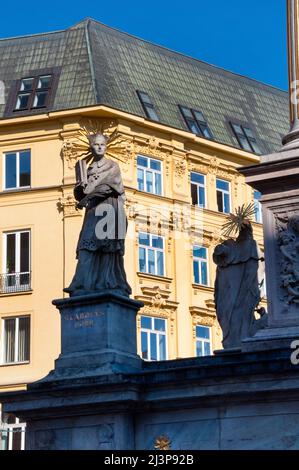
[
  {"x": 100, "y": 253},
  {"x": 237, "y": 288}
]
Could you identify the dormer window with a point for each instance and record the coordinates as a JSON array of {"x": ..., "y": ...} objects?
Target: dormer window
[
  {"x": 147, "y": 105},
  {"x": 196, "y": 122},
  {"x": 246, "y": 138},
  {"x": 33, "y": 92}
]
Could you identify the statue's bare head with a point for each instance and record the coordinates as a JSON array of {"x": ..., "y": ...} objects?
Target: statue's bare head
[{"x": 98, "y": 144}]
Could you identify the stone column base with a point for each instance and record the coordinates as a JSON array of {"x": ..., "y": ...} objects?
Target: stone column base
[{"x": 271, "y": 338}]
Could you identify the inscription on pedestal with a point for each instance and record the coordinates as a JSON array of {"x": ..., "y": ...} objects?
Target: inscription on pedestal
[{"x": 83, "y": 319}]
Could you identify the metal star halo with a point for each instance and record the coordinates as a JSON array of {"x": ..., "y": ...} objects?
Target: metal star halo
[
  {"x": 234, "y": 222},
  {"x": 117, "y": 145}
]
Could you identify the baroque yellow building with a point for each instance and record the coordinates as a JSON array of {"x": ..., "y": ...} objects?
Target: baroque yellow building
[{"x": 184, "y": 128}]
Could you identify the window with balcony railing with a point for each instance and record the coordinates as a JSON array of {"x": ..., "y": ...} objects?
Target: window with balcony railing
[{"x": 16, "y": 275}]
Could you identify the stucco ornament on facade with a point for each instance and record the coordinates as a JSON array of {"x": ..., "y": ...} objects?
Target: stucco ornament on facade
[
  {"x": 198, "y": 167},
  {"x": 205, "y": 316},
  {"x": 288, "y": 244},
  {"x": 68, "y": 205},
  {"x": 203, "y": 321},
  {"x": 220, "y": 170},
  {"x": 150, "y": 146},
  {"x": 180, "y": 167},
  {"x": 157, "y": 304}
]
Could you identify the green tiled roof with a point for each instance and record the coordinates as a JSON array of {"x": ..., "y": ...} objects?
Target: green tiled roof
[{"x": 100, "y": 65}]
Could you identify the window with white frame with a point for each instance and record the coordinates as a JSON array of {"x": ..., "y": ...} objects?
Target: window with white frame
[
  {"x": 203, "y": 341},
  {"x": 12, "y": 433},
  {"x": 258, "y": 207},
  {"x": 151, "y": 254},
  {"x": 34, "y": 92},
  {"x": 198, "y": 190},
  {"x": 16, "y": 262},
  {"x": 200, "y": 265},
  {"x": 17, "y": 170},
  {"x": 16, "y": 339},
  {"x": 149, "y": 175},
  {"x": 223, "y": 196},
  {"x": 153, "y": 339}
]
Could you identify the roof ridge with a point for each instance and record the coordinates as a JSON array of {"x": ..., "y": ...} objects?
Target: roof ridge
[
  {"x": 86, "y": 20},
  {"x": 266, "y": 85},
  {"x": 90, "y": 60},
  {"x": 89, "y": 20}
]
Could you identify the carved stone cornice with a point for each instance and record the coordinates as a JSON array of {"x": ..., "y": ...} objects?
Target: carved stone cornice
[
  {"x": 201, "y": 166},
  {"x": 202, "y": 316},
  {"x": 220, "y": 169},
  {"x": 208, "y": 311},
  {"x": 150, "y": 147},
  {"x": 198, "y": 289},
  {"x": 212, "y": 166},
  {"x": 156, "y": 292},
  {"x": 162, "y": 280},
  {"x": 210, "y": 303}
]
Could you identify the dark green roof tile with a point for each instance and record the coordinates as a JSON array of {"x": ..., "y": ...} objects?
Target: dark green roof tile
[{"x": 100, "y": 65}]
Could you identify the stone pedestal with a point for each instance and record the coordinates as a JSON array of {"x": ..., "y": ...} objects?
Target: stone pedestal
[
  {"x": 277, "y": 179},
  {"x": 98, "y": 336}
]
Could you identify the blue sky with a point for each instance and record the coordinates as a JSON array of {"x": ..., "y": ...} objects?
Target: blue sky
[{"x": 246, "y": 37}]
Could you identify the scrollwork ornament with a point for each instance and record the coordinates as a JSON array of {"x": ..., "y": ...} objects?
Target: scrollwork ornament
[{"x": 288, "y": 244}]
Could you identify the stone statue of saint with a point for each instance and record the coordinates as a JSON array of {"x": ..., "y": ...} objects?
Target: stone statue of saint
[
  {"x": 100, "y": 249},
  {"x": 239, "y": 280}
]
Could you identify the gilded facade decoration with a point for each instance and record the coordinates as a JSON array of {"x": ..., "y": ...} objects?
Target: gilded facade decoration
[{"x": 162, "y": 443}]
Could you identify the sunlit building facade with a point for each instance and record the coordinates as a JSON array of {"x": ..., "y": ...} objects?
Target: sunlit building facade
[{"x": 185, "y": 126}]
